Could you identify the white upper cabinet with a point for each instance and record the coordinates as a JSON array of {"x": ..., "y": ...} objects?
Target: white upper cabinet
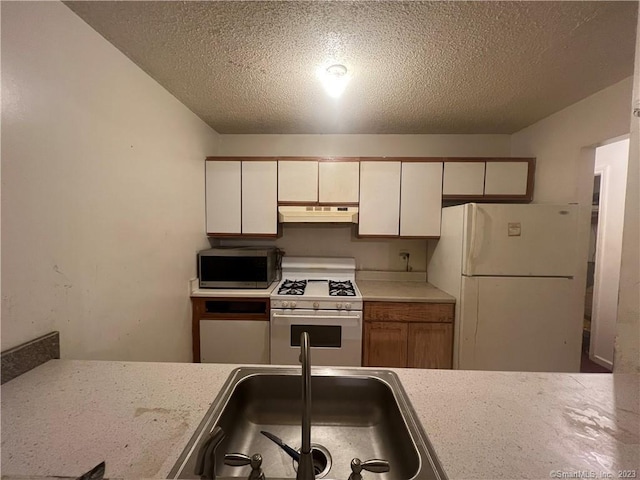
[
  {"x": 506, "y": 178},
  {"x": 297, "y": 181},
  {"x": 379, "y": 198},
  {"x": 421, "y": 199},
  {"x": 463, "y": 178},
  {"x": 223, "y": 193},
  {"x": 339, "y": 182},
  {"x": 260, "y": 197}
]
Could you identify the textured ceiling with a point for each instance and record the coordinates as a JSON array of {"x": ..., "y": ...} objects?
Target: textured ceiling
[{"x": 417, "y": 67}]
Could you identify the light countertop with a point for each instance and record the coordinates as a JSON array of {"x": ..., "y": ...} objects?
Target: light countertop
[
  {"x": 66, "y": 416},
  {"x": 372, "y": 291},
  {"x": 393, "y": 291}
]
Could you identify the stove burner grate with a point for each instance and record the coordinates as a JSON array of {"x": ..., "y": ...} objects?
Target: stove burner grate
[
  {"x": 292, "y": 287},
  {"x": 341, "y": 289}
]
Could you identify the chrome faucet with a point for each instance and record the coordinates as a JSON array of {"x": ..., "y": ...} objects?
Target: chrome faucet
[{"x": 305, "y": 464}]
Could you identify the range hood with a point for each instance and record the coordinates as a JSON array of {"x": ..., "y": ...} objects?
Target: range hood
[{"x": 317, "y": 214}]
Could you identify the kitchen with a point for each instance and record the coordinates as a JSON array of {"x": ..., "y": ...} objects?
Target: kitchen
[{"x": 127, "y": 183}]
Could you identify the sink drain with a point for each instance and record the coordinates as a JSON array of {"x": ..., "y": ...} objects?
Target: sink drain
[{"x": 321, "y": 460}]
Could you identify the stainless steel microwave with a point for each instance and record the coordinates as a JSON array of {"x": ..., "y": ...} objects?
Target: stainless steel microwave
[{"x": 237, "y": 267}]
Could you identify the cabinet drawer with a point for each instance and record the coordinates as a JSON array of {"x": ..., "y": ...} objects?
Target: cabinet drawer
[{"x": 408, "y": 312}]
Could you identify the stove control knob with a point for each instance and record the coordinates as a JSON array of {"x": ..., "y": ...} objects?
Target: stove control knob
[
  {"x": 293, "y": 304},
  {"x": 316, "y": 305},
  {"x": 285, "y": 304},
  {"x": 338, "y": 306},
  {"x": 347, "y": 306}
]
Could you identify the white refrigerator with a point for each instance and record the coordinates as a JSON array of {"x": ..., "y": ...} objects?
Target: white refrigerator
[{"x": 511, "y": 269}]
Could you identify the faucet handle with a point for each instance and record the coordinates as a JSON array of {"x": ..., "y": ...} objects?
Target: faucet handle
[
  {"x": 240, "y": 460},
  {"x": 374, "y": 465}
]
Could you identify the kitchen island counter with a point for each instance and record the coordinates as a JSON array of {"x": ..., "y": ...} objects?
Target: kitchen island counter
[
  {"x": 66, "y": 416},
  {"x": 392, "y": 291}
]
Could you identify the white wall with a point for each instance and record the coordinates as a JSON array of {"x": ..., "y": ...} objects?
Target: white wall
[
  {"x": 366, "y": 145},
  {"x": 611, "y": 165},
  {"x": 564, "y": 146},
  {"x": 102, "y": 193},
  {"x": 557, "y": 140},
  {"x": 627, "y": 347},
  {"x": 340, "y": 241}
]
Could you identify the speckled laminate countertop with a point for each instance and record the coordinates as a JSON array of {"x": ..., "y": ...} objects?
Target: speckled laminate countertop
[
  {"x": 66, "y": 416},
  {"x": 372, "y": 291},
  {"x": 392, "y": 291}
]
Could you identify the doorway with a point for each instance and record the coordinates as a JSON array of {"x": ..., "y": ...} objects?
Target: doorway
[{"x": 605, "y": 248}]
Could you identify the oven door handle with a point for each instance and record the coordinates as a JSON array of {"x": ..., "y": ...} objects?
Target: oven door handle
[
  {"x": 310, "y": 318},
  {"x": 337, "y": 317}
]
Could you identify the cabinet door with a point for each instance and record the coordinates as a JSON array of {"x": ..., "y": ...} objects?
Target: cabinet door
[
  {"x": 260, "y": 197},
  {"x": 430, "y": 345},
  {"x": 379, "y": 199},
  {"x": 339, "y": 182},
  {"x": 223, "y": 187},
  {"x": 385, "y": 344},
  {"x": 298, "y": 181},
  {"x": 506, "y": 178},
  {"x": 421, "y": 199},
  {"x": 463, "y": 178},
  {"x": 234, "y": 341}
]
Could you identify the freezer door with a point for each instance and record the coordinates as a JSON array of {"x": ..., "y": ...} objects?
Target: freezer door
[
  {"x": 520, "y": 324},
  {"x": 520, "y": 240}
]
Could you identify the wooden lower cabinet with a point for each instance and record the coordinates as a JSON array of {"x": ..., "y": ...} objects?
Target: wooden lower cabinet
[
  {"x": 415, "y": 335},
  {"x": 430, "y": 345},
  {"x": 387, "y": 344}
]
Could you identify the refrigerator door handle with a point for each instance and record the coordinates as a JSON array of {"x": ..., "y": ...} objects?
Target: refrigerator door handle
[{"x": 477, "y": 237}]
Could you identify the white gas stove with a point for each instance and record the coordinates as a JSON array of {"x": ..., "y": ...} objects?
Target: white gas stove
[{"x": 318, "y": 296}]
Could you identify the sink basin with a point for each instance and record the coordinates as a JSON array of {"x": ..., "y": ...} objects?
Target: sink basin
[{"x": 355, "y": 413}]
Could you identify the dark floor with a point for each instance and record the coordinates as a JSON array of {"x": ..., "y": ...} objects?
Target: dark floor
[{"x": 587, "y": 366}]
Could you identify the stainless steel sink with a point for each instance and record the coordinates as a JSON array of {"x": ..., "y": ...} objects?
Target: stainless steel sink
[{"x": 355, "y": 413}]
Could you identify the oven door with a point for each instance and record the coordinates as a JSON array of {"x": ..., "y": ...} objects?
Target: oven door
[{"x": 335, "y": 337}]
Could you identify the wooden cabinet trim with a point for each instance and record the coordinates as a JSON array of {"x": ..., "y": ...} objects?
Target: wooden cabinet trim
[
  {"x": 196, "y": 311},
  {"x": 298, "y": 159},
  {"x": 531, "y": 174},
  {"x": 285, "y": 159},
  {"x": 371, "y": 159},
  {"x": 403, "y": 159},
  {"x": 245, "y": 235},
  {"x": 488, "y": 159},
  {"x": 408, "y": 312},
  {"x": 241, "y": 159},
  {"x": 318, "y": 204},
  {"x": 258, "y": 317}
]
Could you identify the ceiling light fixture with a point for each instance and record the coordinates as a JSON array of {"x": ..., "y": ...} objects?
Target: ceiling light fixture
[{"x": 335, "y": 79}]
